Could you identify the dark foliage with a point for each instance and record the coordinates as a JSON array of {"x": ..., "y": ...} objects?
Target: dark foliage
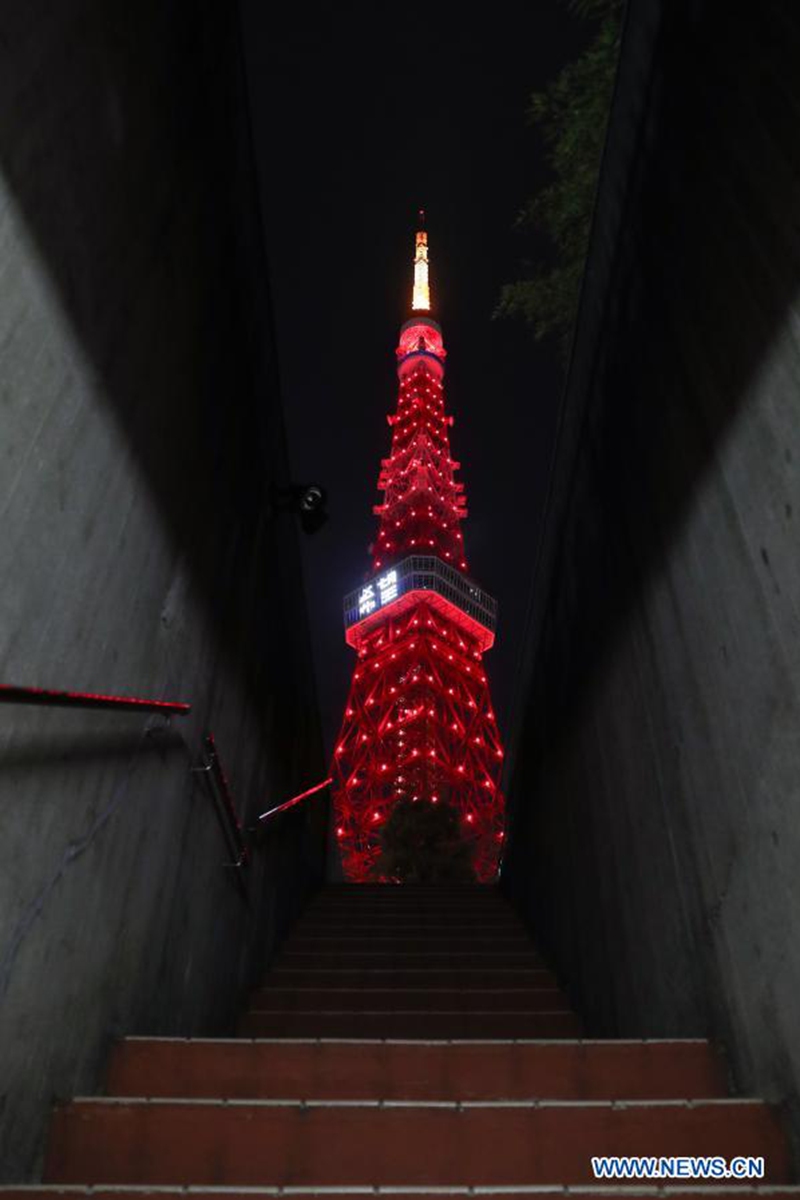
[
  {"x": 572, "y": 114},
  {"x": 422, "y": 842}
]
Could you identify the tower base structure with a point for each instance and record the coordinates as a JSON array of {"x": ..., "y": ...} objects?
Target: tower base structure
[{"x": 419, "y": 725}]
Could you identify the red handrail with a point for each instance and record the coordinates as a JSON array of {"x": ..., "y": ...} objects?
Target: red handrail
[
  {"x": 234, "y": 825},
  {"x": 10, "y": 694},
  {"x": 272, "y": 812}
]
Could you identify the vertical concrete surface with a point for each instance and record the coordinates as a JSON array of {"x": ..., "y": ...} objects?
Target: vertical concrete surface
[
  {"x": 141, "y": 430},
  {"x": 656, "y": 790}
]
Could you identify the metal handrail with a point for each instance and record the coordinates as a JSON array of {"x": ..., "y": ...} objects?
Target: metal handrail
[
  {"x": 230, "y": 818},
  {"x": 212, "y": 767},
  {"x": 273, "y": 812},
  {"x": 10, "y": 694}
]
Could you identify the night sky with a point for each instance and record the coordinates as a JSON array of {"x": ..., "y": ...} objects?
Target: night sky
[{"x": 356, "y": 127}]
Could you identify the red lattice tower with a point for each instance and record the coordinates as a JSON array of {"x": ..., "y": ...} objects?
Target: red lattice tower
[{"x": 419, "y": 721}]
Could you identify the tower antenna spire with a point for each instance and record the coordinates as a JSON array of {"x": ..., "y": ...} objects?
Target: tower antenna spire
[{"x": 421, "y": 294}]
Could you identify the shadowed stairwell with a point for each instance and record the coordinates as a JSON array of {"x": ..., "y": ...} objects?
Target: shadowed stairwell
[{"x": 406, "y": 1038}]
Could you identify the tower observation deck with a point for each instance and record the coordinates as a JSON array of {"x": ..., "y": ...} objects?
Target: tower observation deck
[{"x": 419, "y": 722}]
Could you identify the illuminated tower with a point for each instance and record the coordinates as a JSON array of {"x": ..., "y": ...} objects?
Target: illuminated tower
[{"x": 419, "y": 721}]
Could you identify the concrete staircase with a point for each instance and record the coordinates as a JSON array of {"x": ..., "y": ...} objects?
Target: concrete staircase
[{"x": 407, "y": 1039}]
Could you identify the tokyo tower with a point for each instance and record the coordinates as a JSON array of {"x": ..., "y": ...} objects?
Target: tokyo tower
[{"x": 419, "y": 722}]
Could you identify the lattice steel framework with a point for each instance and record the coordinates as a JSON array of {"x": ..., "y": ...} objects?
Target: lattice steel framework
[{"x": 419, "y": 721}]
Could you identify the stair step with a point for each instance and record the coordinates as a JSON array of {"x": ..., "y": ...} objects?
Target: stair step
[
  {"x": 407, "y": 891},
  {"x": 417, "y": 920},
  {"x": 378, "y": 1070},
  {"x": 420, "y": 999},
  {"x": 393, "y": 899},
  {"x": 274, "y": 1142},
  {"x": 389, "y": 943},
  {"x": 461, "y": 977},
  {"x": 432, "y": 904},
  {"x": 417, "y": 931},
  {"x": 409, "y": 929},
  {"x": 405, "y": 1024},
  {"x": 408, "y": 894},
  {"x": 634, "y": 1192},
  {"x": 435, "y": 914},
  {"x": 363, "y": 889},
  {"x": 487, "y": 960}
]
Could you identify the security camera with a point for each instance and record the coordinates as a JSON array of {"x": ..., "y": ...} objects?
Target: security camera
[
  {"x": 312, "y": 498},
  {"x": 311, "y": 506},
  {"x": 306, "y": 500}
]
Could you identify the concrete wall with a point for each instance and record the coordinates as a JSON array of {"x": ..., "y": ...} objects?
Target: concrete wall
[
  {"x": 656, "y": 792},
  {"x": 140, "y": 430}
]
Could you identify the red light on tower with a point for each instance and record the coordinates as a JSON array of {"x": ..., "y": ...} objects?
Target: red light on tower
[{"x": 418, "y": 720}]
